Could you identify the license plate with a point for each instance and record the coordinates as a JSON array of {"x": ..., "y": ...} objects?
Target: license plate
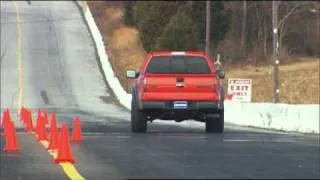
[{"x": 180, "y": 104}]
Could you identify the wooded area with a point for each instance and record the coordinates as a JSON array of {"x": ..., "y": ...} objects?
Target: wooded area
[{"x": 240, "y": 30}]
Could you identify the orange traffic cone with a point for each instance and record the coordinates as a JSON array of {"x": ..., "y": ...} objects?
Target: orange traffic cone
[
  {"x": 31, "y": 119},
  {"x": 39, "y": 115},
  {"x": 23, "y": 114},
  {"x": 64, "y": 150},
  {"x": 6, "y": 129},
  {"x": 37, "y": 130},
  {"x": 27, "y": 115},
  {"x": 42, "y": 131},
  {"x": 5, "y": 120},
  {"x": 53, "y": 144},
  {"x": 45, "y": 117},
  {"x": 6, "y": 115},
  {"x": 29, "y": 124},
  {"x": 11, "y": 139},
  {"x": 77, "y": 133}
]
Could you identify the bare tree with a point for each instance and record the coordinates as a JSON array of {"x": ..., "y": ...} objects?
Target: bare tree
[
  {"x": 266, "y": 35},
  {"x": 261, "y": 24},
  {"x": 208, "y": 29},
  {"x": 244, "y": 31},
  {"x": 283, "y": 23}
]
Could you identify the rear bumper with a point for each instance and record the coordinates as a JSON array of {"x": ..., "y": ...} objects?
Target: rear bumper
[{"x": 168, "y": 105}]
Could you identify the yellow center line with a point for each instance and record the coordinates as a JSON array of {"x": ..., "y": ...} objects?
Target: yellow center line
[
  {"x": 20, "y": 70},
  {"x": 68, "y": 168}
]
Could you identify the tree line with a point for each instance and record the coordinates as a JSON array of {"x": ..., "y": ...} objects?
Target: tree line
[{"x": 239, "y": 29}]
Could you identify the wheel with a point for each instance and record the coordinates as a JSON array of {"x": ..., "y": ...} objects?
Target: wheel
[
  {"x": 138, "y": 120},
  {"x": 216, "y": 124}
]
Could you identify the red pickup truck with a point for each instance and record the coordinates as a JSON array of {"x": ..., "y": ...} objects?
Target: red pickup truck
[{"x": 178, "y": 86}]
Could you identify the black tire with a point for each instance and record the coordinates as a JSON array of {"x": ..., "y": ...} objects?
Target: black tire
[
  {"x": 216, "y": 124},
  {"x": 138, "y": 120}
]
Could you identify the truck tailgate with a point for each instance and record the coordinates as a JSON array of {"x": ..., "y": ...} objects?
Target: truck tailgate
[{"x": 181, "y": 87}]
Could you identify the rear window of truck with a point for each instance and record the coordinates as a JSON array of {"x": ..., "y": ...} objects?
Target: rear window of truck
[{"x": 178, "y": 65}]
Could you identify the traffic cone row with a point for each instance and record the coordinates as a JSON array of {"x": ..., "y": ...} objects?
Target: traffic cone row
[{"x": 58, "y": 142}]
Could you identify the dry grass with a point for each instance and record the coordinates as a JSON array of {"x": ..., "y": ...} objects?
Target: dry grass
[
  {"x": 299, "y": 81},
  {"x": 122, "y": 42},
  {"x": 125, "y": 51}
]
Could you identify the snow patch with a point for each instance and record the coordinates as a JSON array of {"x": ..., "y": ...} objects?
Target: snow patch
[
  {"x": 123, "y": 97},
  {"x": 286, "y": 117}
]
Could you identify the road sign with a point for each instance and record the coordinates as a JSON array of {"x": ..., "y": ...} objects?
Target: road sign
[{"x": 239, "y": 90}]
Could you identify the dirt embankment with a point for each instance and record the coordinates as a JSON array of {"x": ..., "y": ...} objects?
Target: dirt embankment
[{"x": 299, "y": 82}]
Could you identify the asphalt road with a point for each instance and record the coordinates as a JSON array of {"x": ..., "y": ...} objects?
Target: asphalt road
[{"x": 60, "y": 72}]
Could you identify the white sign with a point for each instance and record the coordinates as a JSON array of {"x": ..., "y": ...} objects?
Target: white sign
[{"x": 239, "y": 90}]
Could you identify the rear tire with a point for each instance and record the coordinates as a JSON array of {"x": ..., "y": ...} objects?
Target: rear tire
[
  {"x": 138, "y": 120},
  {"x": 216, "y": 124}
]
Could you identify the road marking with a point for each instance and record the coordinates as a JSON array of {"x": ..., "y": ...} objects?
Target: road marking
[
  {"x": 68, "y": 168},
  {"x": 71, "y": 171},
  {"x": 240, "y": 140},
  {"x": 20, "y": 71}
]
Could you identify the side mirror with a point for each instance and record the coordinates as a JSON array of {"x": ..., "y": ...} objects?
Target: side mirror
[
  {"x": 132, "y": 74},
  {"x": 220, "y": 73}
]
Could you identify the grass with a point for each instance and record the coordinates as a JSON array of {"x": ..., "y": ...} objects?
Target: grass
[{"x": 299, "y": 82}]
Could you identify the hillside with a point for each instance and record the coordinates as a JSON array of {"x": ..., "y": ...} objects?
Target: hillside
[{"x": 299, "y": 77}]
